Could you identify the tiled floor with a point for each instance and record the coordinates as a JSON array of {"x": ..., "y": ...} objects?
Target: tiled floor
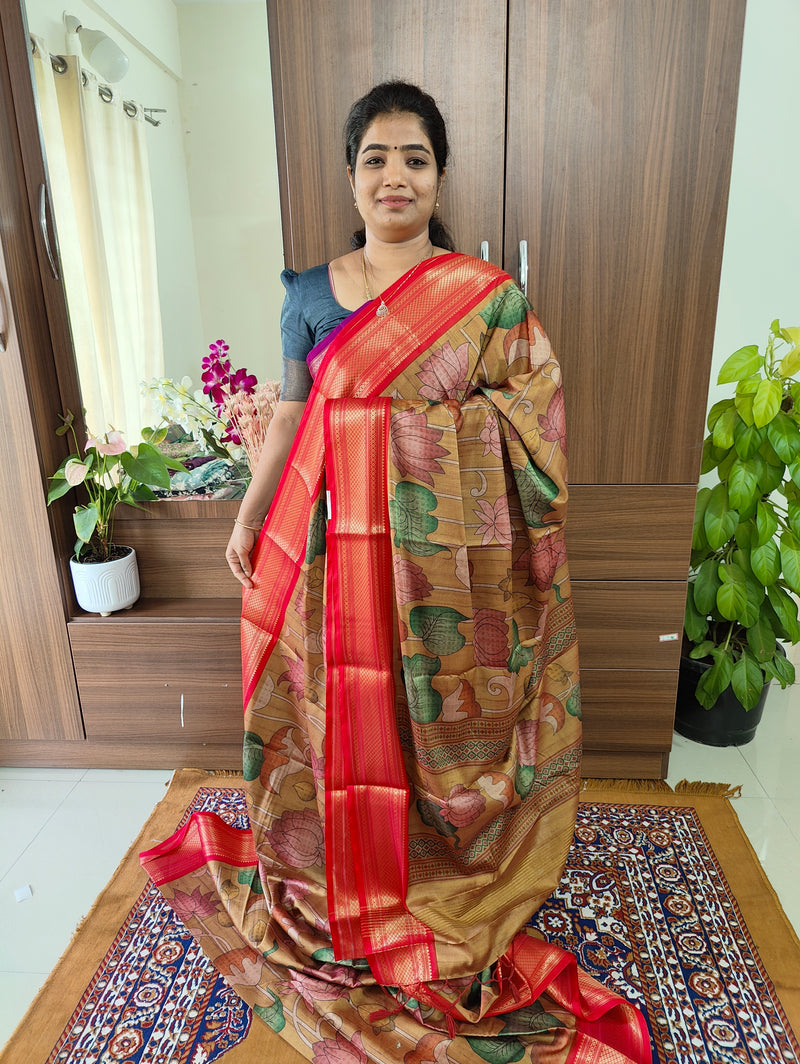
[{"x": 64, "y": 831}]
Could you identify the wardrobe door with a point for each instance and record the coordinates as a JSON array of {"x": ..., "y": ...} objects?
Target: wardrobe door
[
  {"x": 38, "y": 696},
  {"x": 325, "y": 57},
  {"x": 620, "y": 132}
]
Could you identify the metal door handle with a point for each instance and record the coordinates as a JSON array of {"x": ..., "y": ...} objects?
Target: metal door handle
[
  {"x": 523, "y": 266},
  {"x": 44, "y": 229},
  {"x": 485, "y": 250}
]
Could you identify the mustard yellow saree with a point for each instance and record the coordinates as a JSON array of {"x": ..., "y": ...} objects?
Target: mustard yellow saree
[{"x": 412, "y": 719}]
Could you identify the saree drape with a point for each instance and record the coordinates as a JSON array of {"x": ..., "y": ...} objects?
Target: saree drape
[{"x": 412, "y": 719}]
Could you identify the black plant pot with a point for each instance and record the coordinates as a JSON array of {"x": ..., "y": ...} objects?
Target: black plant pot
[{"x": 727, "y": 723}]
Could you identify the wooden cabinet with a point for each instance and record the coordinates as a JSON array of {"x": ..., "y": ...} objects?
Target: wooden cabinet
[{"x": 599, "y": 132}]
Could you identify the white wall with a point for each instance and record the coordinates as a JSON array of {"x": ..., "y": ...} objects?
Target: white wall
[
  {"x": 761, "y": 261},
  {"x": 229, "y": 142}
]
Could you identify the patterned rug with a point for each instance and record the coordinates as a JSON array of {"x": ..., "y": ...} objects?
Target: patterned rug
[{"x": 662, "y": 900}]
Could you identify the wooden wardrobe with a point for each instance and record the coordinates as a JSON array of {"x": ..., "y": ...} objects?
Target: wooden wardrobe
[{"x": 599, "y": 132}]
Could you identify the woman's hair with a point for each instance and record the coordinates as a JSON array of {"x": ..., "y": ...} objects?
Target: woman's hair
[{"x": 398, "y": 97}]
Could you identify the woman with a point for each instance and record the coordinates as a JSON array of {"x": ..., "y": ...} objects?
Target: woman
[{"x": 412, "y": 729}]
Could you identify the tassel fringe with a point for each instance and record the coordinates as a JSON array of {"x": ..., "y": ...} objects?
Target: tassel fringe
[{"x": 695, "y": 789}]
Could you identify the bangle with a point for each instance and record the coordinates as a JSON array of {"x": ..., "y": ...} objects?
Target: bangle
[{"x": 253, "y": 528}]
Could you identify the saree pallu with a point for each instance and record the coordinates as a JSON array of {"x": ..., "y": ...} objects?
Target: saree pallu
[{"x": 412, "y": 717}]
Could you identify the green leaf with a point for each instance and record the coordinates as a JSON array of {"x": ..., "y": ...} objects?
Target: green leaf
[
  {"x": 437, "y": 627},
  {"x": 747, "y": 439},
  {"x": 761, "y": 639},
  {"x": 699, "y": 540},
  {"x": 85, "y": 520},
  {"x": 424, "y": 701},
  {"x": 790, "y": 363},
  {"x": 732, "y": 594},
  {"x": 147, "y": 467},
  {"x": 747, "y": 680},
  {"x": 702, "y": 650},
  {"x": 766, "y": 523},
  {"x": 695, "y": 624},
  {"x": 766, "y": 562},
  {"x": 714, "y": 680},
  {"x": 784, "y": 435},
  {"x": 410, "y": 513},
  {"x": 743, "y": 489},
  {"x": 154, "y": 436},
  {"x": 520, "y": 655},
  {"x": 705, "y": 586},
  {"x": 497, "y": 1050},
  {"x": 742, "y": 363},
  {"x": 767, "y": 402},
  {"x": 315, "y": 541},
  {"x": 780, "y": 669},
  {"x": 253, "y": 755},
  {"x": 716, "y": 412},
  {"x": 755, "y": 601},
  {"x": 786, "y": 609},
  {"x": 790, "y": 561},
  {"x": 794, "y": 516},
  {"x": 60, "y": 487},
  {"x": 720, "y": 520},
  {"x": 724, "y": 429},
  {"x": 272, "y": 1014},
  {"x": 506, "y": 310},
  {"x": 536, "y": 493},
  {"x": 744, "y": 405}
]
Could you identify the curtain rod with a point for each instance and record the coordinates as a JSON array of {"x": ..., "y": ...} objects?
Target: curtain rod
[{"x": 59, "y": 64}]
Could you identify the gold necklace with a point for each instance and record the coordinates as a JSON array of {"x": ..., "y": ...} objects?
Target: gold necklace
[{"x": 382, "y": 309}]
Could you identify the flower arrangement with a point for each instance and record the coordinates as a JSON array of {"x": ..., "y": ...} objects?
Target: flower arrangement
[
  {"x": 111, "y": 474},
  {"x": 229, "y": 416}
]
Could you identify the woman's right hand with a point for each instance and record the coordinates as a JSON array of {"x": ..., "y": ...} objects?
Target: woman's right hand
[{"x": 237, "y": 554}]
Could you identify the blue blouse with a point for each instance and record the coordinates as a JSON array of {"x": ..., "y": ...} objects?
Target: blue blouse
[{"x": 309, "y": 313}]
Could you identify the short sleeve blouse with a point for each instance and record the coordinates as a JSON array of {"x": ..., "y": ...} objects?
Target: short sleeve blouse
[{"x": 309, "y": 313}]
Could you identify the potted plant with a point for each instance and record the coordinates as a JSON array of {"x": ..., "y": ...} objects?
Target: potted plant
[
  {"x": 105, "y": 574},
  {"x": 745, "y": 561}
]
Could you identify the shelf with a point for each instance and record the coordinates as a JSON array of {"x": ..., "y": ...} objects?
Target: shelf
[{"x": 170, "y": 610}]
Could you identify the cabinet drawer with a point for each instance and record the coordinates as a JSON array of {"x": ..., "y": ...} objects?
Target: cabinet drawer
[
  {"x": 630, "y": 531},
  {"x": 628, "y": 709},
  {"x": 173, "y": 682},
  {"x": 621, "y": 623}
]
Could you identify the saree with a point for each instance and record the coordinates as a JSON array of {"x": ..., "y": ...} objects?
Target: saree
[{"x": 412, "y": 705}]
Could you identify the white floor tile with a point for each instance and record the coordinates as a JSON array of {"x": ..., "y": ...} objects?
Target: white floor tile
[
  {"x": 57, "y": 775},
  {"x": 712, "y": 764},
  {"x": 17, "y": 991},
  {"x": 73, "y": 858},
  {"x": 130, "y": 775},
  {"x": 25, "y": 808},
  {"x": 776, "y": 848}
]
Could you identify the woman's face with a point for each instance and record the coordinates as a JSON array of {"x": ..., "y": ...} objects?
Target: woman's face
[{"x": 395, "y": 181}]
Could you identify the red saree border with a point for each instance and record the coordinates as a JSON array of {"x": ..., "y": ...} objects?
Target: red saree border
[
  {"x": 366, "y": 789},
  {"x": 203, "y": 838},
  {"x": 360, "y": 361}
]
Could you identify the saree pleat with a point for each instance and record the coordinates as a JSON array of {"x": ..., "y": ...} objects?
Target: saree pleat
[{"x": 412, "y": 722}]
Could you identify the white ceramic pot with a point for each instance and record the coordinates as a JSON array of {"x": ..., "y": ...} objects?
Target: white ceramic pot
[{"x": 103, "y": 587}]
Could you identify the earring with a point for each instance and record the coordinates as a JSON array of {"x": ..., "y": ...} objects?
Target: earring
[{"x": 436, "y": 208}]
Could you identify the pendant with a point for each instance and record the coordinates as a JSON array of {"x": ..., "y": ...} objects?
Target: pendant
[{"x": 382, "y": 310}]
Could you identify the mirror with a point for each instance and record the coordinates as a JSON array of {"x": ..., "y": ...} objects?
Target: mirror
[{"x": 201, "y": 73}]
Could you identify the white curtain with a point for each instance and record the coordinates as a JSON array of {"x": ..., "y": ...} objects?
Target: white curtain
[{"x": 100, "y": 183}]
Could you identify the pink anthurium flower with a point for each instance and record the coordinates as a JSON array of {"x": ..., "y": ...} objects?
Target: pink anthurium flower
[
  {"x": 75, "y": 472},
  {"x": 112, "y": 443}
]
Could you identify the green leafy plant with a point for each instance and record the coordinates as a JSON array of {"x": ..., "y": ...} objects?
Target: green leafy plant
[
  {"x": 110, "y": 474},
  {"x": 745, "y": 562}
]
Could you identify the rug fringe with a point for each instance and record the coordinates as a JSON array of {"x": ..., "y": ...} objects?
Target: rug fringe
[
  {"x": 225, "y": 773},
  {"x": 696, "y": 789}
]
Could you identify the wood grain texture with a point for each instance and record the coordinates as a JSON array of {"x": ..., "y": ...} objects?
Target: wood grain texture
[
  {"x": 324, "y": 58},
  {"x": 620, "y": 623},
  {"x": 123, "y": 754},
  {"x": 182, "y": 682},
  {"x": 630, "y": 531},
  {"x": 619, "y": 153},
  {"x": 38, "y": 698},
  {"x": 625, "y": 709}
]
